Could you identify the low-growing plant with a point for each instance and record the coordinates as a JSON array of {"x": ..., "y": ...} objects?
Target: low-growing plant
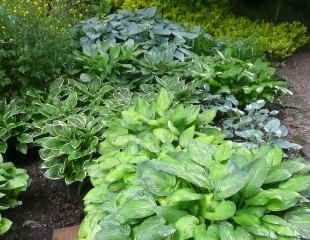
[
  {"x": 13, "y": 181},
  {"x": 217, "y": 19},
  {"x": 165, "y": 174}
]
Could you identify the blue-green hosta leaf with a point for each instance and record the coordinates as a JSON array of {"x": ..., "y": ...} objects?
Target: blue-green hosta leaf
[
  {"x": 185, "y": 227},
  {"x": 157, "y": 182},
  {"x": 153, "y": 228},
  {"x": 299, "y": 218}
]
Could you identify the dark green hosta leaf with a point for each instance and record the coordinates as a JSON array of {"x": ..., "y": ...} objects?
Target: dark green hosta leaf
[
  {"x": 157, "y": 182},
  {"x": 299, "y": 218},
  {"x": 153, "y": 228}
]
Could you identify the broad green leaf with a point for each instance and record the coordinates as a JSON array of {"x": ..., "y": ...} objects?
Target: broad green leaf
[
  {"x": 241, "y": 233},
  {"x": 213, "y": 232},
  {"x": 226, "y": 231},
  {"x": 113, "y": 231},
  {"x": 297, "y": 184},
  {"x": 171, "y": 214},
  {"x": 153, "y": 228},
  {"x": 5, "y": 225},
  {"x": 182, "y": 195},
  {"x": 279, "y": 226},
  {"x": 222, "y": 211},
  {"x": 207, "y": 116},
  {"x": 299, "y": 218},
  {"x": 187, "y": 136},
  {"x": 201, "y": 152},
  {"x": 157, "y": 182},
  {"x": 163, "y": 102},
  {"x": 200, "y": 232},
  {"x": 223, "y": 151},
  {"x": 185, "y": 227},
  {"x": 164, "y": 135}
]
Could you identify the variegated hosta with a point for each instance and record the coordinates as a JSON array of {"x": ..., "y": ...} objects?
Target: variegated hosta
[
  {"x": 164, "y": 174},
  {"x": 70, "y": 146},
  {"x": 13, "y": 181}
]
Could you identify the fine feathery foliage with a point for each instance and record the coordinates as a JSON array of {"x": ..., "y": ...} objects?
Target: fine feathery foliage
[
  {"x": 216, "y": 17},
  {"x": 13, "y": 181},
  {"x": 166, "y": 174}
]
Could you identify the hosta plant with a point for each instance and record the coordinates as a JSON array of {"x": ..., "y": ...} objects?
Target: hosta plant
[
  {"x": 70, "y": 146},
  {"x": 164, "y": 174},
  {"x": 143, "y": 27},
  {"x": 13, "y": 181}
]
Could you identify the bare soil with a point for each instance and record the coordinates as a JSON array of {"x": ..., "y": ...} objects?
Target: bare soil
[{"x": 47, "y": 205}]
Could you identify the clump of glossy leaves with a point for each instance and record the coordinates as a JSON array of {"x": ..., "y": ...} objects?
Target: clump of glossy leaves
[
  {"x": 162, "y": 178},
  {"x": 13, "y": 181},
  {"x": 70, "y": 145},
  {"x": 143, "y": 27}
]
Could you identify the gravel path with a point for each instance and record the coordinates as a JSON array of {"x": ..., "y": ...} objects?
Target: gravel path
[{"x": 297, "y": 114}]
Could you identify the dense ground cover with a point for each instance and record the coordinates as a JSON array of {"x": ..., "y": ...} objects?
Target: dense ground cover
[{"x": 171, "y": 125}]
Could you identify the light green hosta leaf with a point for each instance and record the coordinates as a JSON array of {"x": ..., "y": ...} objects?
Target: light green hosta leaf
[
  {"x": 157, "y": 182},
  {"x": 5, "y": 225},
  {"x": 213, "y": 232},
  {"x": 279, "y": 226},
  {"x": 257, "y": 172},
  {"x": 226, "y": 231},
  {"x": 146, "y": 109},
  {"x": 223, "y": 152},
  {"x": 297, "y": 184},
  {"x": 185, "y": 227},
  {"x": 181, "y": 195},
  {"x": 207, "y": 116},
  {"x": 299, "y": 218},
  {"x": 201, "y": 152},
  {"x": 275, "y": 199},
  {"x": 163, "y": 102},
  {"x": 246, "y": 218},
  {"x": 241, "y": 233},
  {"x": 153, "y": 228},
  {"x": 150, "y": 142},
  {"x": 135, "y": 209},
  {"x": 113, "y": 231},
  {"x": 171, "y": 213},
  {"x": 187, "y": 136},
  {"x": 200, "y": 232},
  {"x": 180, "y": 167},
  {"x": 119, "y": 172},
  {"x": 164, "y": 135},
  {"x": 230, "y": 184},
  {"x": 222, "y": 211},
  {"x": 261, "y": 231}
]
